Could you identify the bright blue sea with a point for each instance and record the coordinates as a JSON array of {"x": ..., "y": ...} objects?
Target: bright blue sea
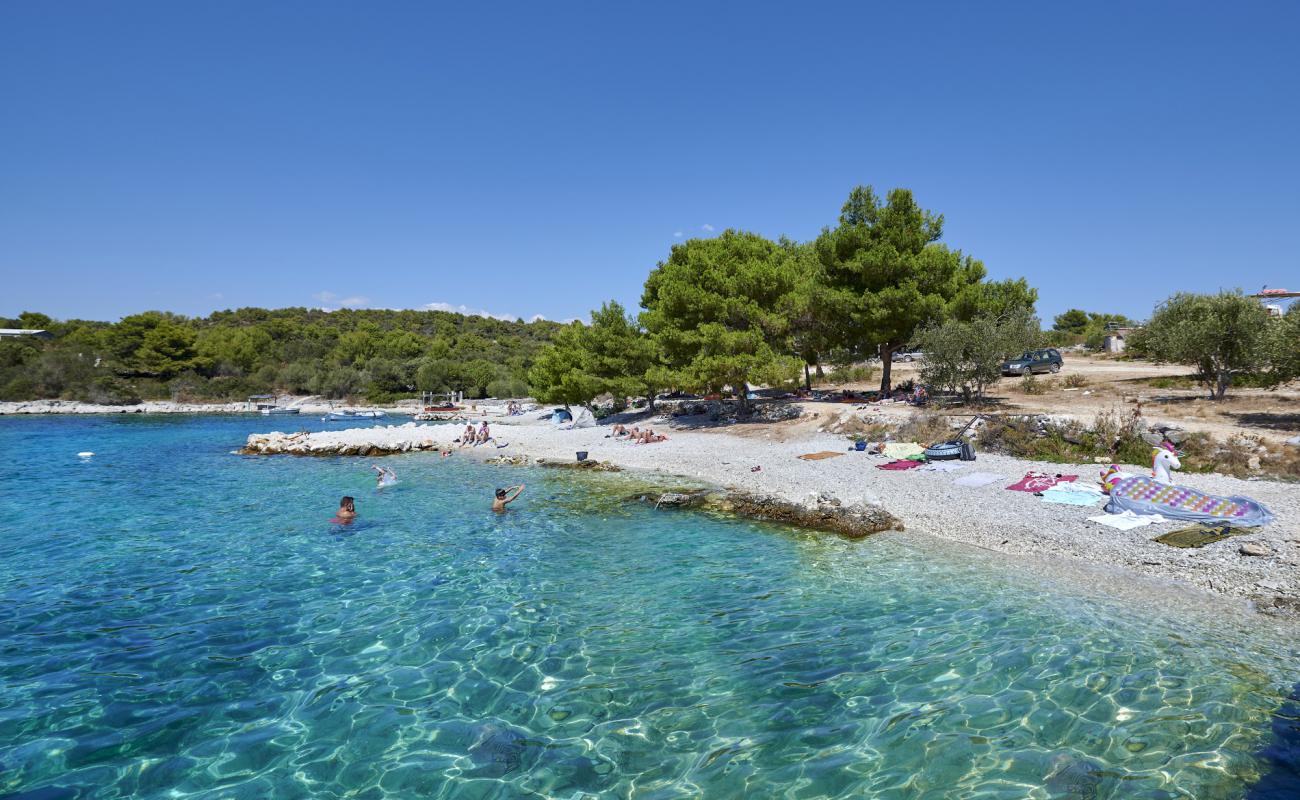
[{"x": 180, "y": 622}]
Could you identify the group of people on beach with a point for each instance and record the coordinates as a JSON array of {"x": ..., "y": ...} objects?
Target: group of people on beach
[{"x": 637, "y": 435}]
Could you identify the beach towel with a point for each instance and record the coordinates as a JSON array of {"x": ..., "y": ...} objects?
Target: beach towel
[
  {"x": 819, "y": 456},
  {"x": 1039, "y": 482},
  {"x": 1147, "y": 495},
  {"x": 978, "y": 479},
  {"x": 1127, "y": 520},
  {"x": 901, "y": 464},
  {"x": 943, "y": 466},
  {"x": 1200, "y": 535},
  {"x": 901, "y": 450},
  {"x": 1069, "y": 498}
]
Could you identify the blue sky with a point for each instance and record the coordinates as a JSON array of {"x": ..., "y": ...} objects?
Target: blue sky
[{"x": 538, "y": 158}]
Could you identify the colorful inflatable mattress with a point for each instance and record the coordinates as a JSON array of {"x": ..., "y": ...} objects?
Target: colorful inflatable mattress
[{"x": 1143, "y": 495}]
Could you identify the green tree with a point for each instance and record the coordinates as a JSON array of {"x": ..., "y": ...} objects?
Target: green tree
[
  {"x": 559, "y": 374},
  {"x": 437, "y": 375},
  {"x": 965, "y": 356},
  {"x": 1223, "y": 336},
  {"x": 815, "y": 323},
  {"x": 619, "y": 354},
  {"x": 886, "y": 274},
  {"x": 715, "y": 311},
  {"x": 1285, "y": 348},
  {"x": 355, "y": 347},
  {"x": 1073, "y": 321},
  {"x": 165, "y": 350},
  {"x": 233, "y": 351},
  {"x": 994, "y": 299}
]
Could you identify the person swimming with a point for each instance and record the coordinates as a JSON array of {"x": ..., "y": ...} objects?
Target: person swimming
[
  {"x": 347, "y": 510},
  {"x": 504, "y": 497},
  {"x": 384, "y": 475}
]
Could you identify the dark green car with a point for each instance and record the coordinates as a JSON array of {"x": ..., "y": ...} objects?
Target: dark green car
[{"x": 1045, "y": 360}]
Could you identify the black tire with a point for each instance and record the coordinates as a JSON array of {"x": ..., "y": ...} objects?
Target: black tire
[
  {"x": 1056, "y": 368},
  {"x": 907, "y": 359}
]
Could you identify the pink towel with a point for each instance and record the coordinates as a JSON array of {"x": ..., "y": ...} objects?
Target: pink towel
[
  {"x": 1038, "y": 482},
  {"x": 900, "y": 464}
]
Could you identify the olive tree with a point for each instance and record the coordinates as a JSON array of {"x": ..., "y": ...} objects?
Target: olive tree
[
  {"x": 965, "y": 356},
  {"x": 1224, "y": 336}
]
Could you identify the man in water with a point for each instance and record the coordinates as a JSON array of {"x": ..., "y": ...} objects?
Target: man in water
[
  {"x": 347, "y": 510},
  {"x": 505, "y": 497}
]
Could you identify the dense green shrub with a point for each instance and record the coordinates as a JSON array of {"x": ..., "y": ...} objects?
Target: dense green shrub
[{"x": 231, "y": 354}]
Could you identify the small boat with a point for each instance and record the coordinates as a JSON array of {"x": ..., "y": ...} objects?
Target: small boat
[
  {"x": 265, "y": 404},
  {"x": 348, "y": 415},
  {"x": 274, "y": 411}
]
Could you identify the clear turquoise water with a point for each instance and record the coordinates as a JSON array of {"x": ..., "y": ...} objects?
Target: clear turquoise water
[{"x": 179, "y": 621}]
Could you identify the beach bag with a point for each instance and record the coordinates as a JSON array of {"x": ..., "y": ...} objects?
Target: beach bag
[
  {"x": 967, "y": 451},
  {"x": 944, "y": 451}
]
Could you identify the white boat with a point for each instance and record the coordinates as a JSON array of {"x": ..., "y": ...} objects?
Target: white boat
[
  {"x": 347, "y": 415},
  {"x": 265, "y": 404},
  {"x": 278, "y": 410}
]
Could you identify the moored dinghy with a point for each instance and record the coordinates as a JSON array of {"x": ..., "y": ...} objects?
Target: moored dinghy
[{"x": 350, "y": 415}]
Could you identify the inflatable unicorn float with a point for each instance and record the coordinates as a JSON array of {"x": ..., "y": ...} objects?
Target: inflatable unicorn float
[{"x": 1159, "y": 495}]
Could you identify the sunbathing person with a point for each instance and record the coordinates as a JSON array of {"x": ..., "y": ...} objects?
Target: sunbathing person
[
  {"x": 484, "y": 436},
  {"x": 619, "y": 430},
  {"x": 467, "y": 436}
]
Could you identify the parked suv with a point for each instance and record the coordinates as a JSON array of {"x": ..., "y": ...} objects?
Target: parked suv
[{"x": 1046, "y": 360}]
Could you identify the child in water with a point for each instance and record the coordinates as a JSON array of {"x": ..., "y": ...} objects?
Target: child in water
[
  {"x": 347, "y": 510},
  {"x": 386, "y": 477},
  {"x": 504, "y": 497}
]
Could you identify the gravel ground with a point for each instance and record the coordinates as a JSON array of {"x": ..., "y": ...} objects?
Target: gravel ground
[{"x": 928, "y": 502}]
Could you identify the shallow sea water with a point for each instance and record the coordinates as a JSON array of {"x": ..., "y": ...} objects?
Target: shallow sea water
[{"x": 182, "y": 622}]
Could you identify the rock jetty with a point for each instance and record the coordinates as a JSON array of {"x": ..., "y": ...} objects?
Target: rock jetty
[{"x": 353, "y": 442}]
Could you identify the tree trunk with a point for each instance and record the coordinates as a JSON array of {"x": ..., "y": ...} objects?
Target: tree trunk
[
  {"x": 820, "y": 374},
  {"x": 887, "y": 361},
  {"x": 1221, "y": 387},
  {"x": 807, "y": 378}
]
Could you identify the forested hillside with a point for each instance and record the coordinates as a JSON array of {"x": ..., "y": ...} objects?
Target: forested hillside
[{"x": 378, "y": 355}]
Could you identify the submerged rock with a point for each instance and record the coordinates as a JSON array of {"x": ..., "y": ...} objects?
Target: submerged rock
[
  {"x": 825, "y": 514},
  {"x": 590, "y": 464}
]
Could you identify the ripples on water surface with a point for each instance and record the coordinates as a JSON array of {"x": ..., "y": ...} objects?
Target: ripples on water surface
[{"x": 183, "y": 622}]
